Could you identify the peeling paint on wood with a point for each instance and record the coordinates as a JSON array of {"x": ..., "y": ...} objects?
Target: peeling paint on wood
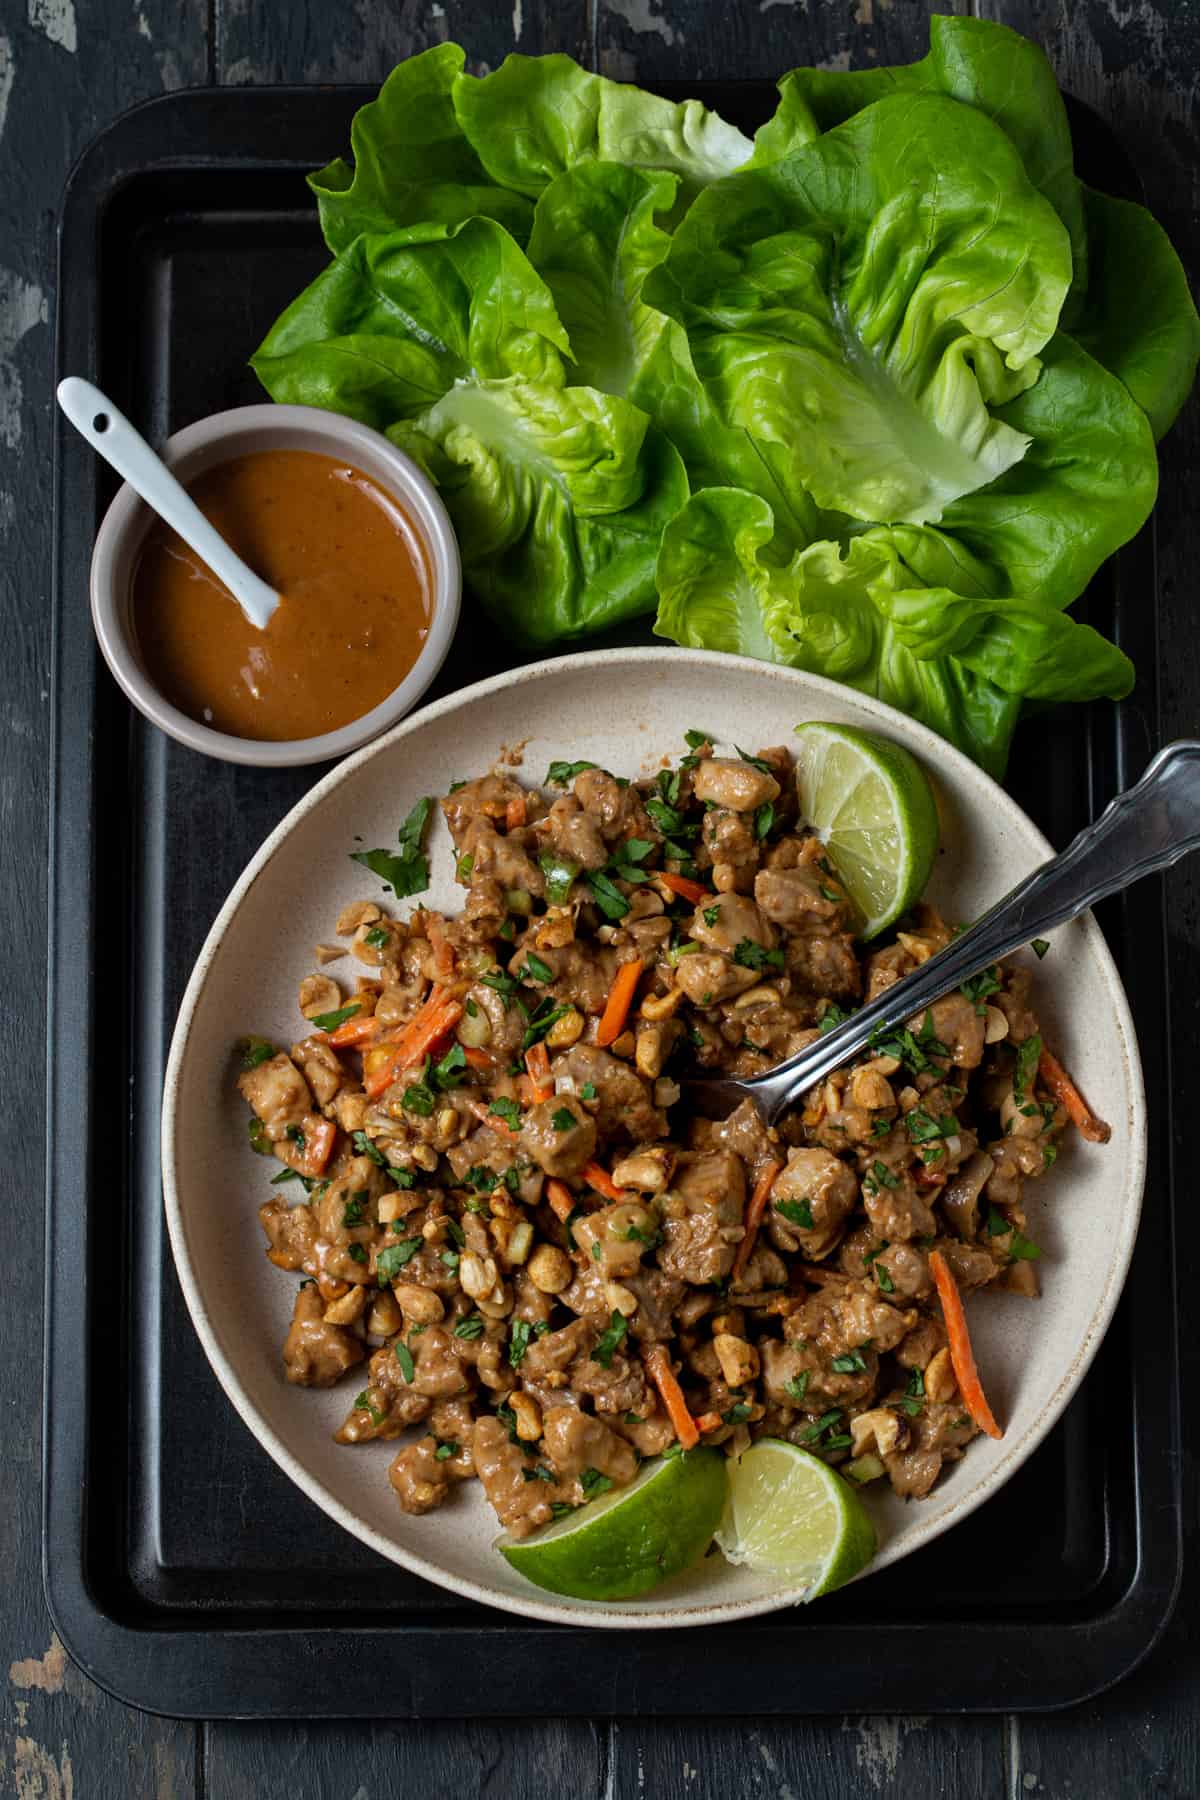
[
  {"x": 56, "y": 20},
  {"x": 8, "y": 71},
  {"x": 44, "y": 1672}
]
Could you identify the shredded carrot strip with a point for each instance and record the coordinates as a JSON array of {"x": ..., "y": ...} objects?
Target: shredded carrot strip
[
  {"x": 658, "y": 1367},
  {"x": 479, "y": 1108},
  {"x": 961, "y": 1354},
  {"x": 708, "y": 1422},
  {"x": 479, "y": 1059},
  {"x": 318, "y": 1143},
  {"x": 560, "y": 1198},
  {"x": 1068, "y": 1095},
  {"x": 439, "y": 1015},
  {"x": 687, "y": 890},
  {"x": 754, "y": 1214},
  {"x": 537, "y": 1061},
  {"x": 358, "y": 1030},
  {"x": 515, "y": 813},
  {"x": 443, "y": 952},
  {"x": 600, "y": 1179},
  {"x": 620, "y": 998}
]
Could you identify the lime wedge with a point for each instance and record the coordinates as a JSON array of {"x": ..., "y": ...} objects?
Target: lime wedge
[
  {"x": 632, "y": 1538},
  {"x": 792, "y": 1516},
  {"x": 870, "y": 803}
]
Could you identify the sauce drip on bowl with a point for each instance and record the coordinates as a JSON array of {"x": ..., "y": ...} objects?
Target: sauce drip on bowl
[{"x": 355, "y": 609}]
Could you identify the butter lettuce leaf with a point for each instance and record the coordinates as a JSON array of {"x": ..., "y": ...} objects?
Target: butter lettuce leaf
[
  {"x": 1086, "y": 484},
  {"x": 395, "y": 321},
  {"x": 559, "y": 496},
  {"x": 412, "y": 161},
  {"x": 858, "y": 614},
  {"x": 1139, "y": 318},
  {"x": 594, "y": 241},
  {"x": 537, "y": 116},
  {"x": 864, "y": 304},
  {"x": 975, "y": 61}
]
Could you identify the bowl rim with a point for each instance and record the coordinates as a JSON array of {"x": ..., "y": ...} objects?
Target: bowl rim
[
  {"x": 608, "y": 1615},
  {"x": 206, "y": 441}
]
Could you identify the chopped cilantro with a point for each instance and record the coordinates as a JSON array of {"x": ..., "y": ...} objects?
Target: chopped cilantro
[
  {"x": 447, "y": 1073},
  {"x": 833, "y": 1016},
  {"x": 756, "y": 762},
  {"x": 923, "y": 1128},
  {"x": 695, "y": 740},
  {"x": 470, "y": 1327},
  {"x": 611, "y": 1340},
  {"x": 255, "y": 1050},
  {"x": 362, "y": 1403},
  {"x": 754, "y": 956},
  {"x": 508, "y": 1110},
  {"x": 738, "y": 1413},
  {"x": 445, "y": 1450},
  {"x": 404, "y": 1357},
  {"x": 408, "y": 872},
  {"x": 331, "y": 1020},
  {"x": 711, "y": 915},
  {"x": 464, "y": 867},
  {"x": 534, "y": 969},
  {"x": 819, "y": 1426},
  {"x": 564, "y": 1119},
  {"x": 594, "y": 1483},
  {"x": 851, "y": 1363},
  {"x": 979, "y": 987},
  {"x": 797, "y": 1387},
  {"x": 519, "y": 1339},
  {"x": 796, "y": 1212},
  {"x": 1039, "y": 947},
  {"x": 560, "y": 773},
  {"x": 389, "y": 1262},
  {"x": 764, "y": 819},
  {"x": 546, "y": 1015},
  {"x": 356, "y": 1253},
  {"x": 352, "y": 1212},
  {"x": 1028, "y": 1056},
  {"x": 607, "y": 895},
  {"x": 588, "y": 1091},
  {"x": 560, "y": 1508}
]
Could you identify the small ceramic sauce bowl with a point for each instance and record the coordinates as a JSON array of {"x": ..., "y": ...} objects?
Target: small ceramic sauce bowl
[{"x": 191, "y": 453}]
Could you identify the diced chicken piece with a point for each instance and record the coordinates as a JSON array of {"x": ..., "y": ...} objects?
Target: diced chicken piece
[
  {"x": 702, "y": 1216},
  {"x": 316, "y": 1354},
  {"x": 728, "y": 921},
  {"x": 811, "y": 1199},
  {"x": 278, "y": 1093},
  {"x": 576, "y": 1442},
  {"x": 560, "y": 1135},
  {"x": 502, "y": 1466},
  {"x": 937, "y": 1435},
  {"x": 738, "y": 785},
  {"x": 418, "y": 1478},
  {"x": 575, "y": 834},
  {"x": 291, "y": 1232},
  {"x": 624, "y": 1102},
  {"x": 708, "y": 978},
  {"x": 321, "y": 1067}
]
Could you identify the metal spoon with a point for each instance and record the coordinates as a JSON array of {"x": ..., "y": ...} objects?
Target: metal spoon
[
  {"x": 108, "y": 431},
  {"x": 1145, "y": 829}
]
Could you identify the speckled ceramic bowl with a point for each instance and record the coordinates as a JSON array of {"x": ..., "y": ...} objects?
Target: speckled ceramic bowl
[
  {"x": 623, "y": 709},
  {"x": 242, "y": 432}
]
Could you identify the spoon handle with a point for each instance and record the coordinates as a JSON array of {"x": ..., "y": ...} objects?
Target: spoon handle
[
  {"x": 1145, "y": 829},
  {"x": 111, "y": 435}
]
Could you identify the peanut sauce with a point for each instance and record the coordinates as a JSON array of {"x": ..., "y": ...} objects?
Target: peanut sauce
[{"x": 354, "y": 614}]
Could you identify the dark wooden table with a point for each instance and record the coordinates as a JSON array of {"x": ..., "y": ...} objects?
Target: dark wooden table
[{"x": 68, "y": 67}]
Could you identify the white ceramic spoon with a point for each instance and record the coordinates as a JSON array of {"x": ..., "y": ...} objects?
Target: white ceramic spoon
[{"x": 109, "y": 432}]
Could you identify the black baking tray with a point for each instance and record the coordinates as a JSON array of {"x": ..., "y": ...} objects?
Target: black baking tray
[{"x": 183, "y": 1571}]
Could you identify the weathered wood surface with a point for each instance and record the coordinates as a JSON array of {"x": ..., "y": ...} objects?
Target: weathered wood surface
[{"x": 67, "y": 67}]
